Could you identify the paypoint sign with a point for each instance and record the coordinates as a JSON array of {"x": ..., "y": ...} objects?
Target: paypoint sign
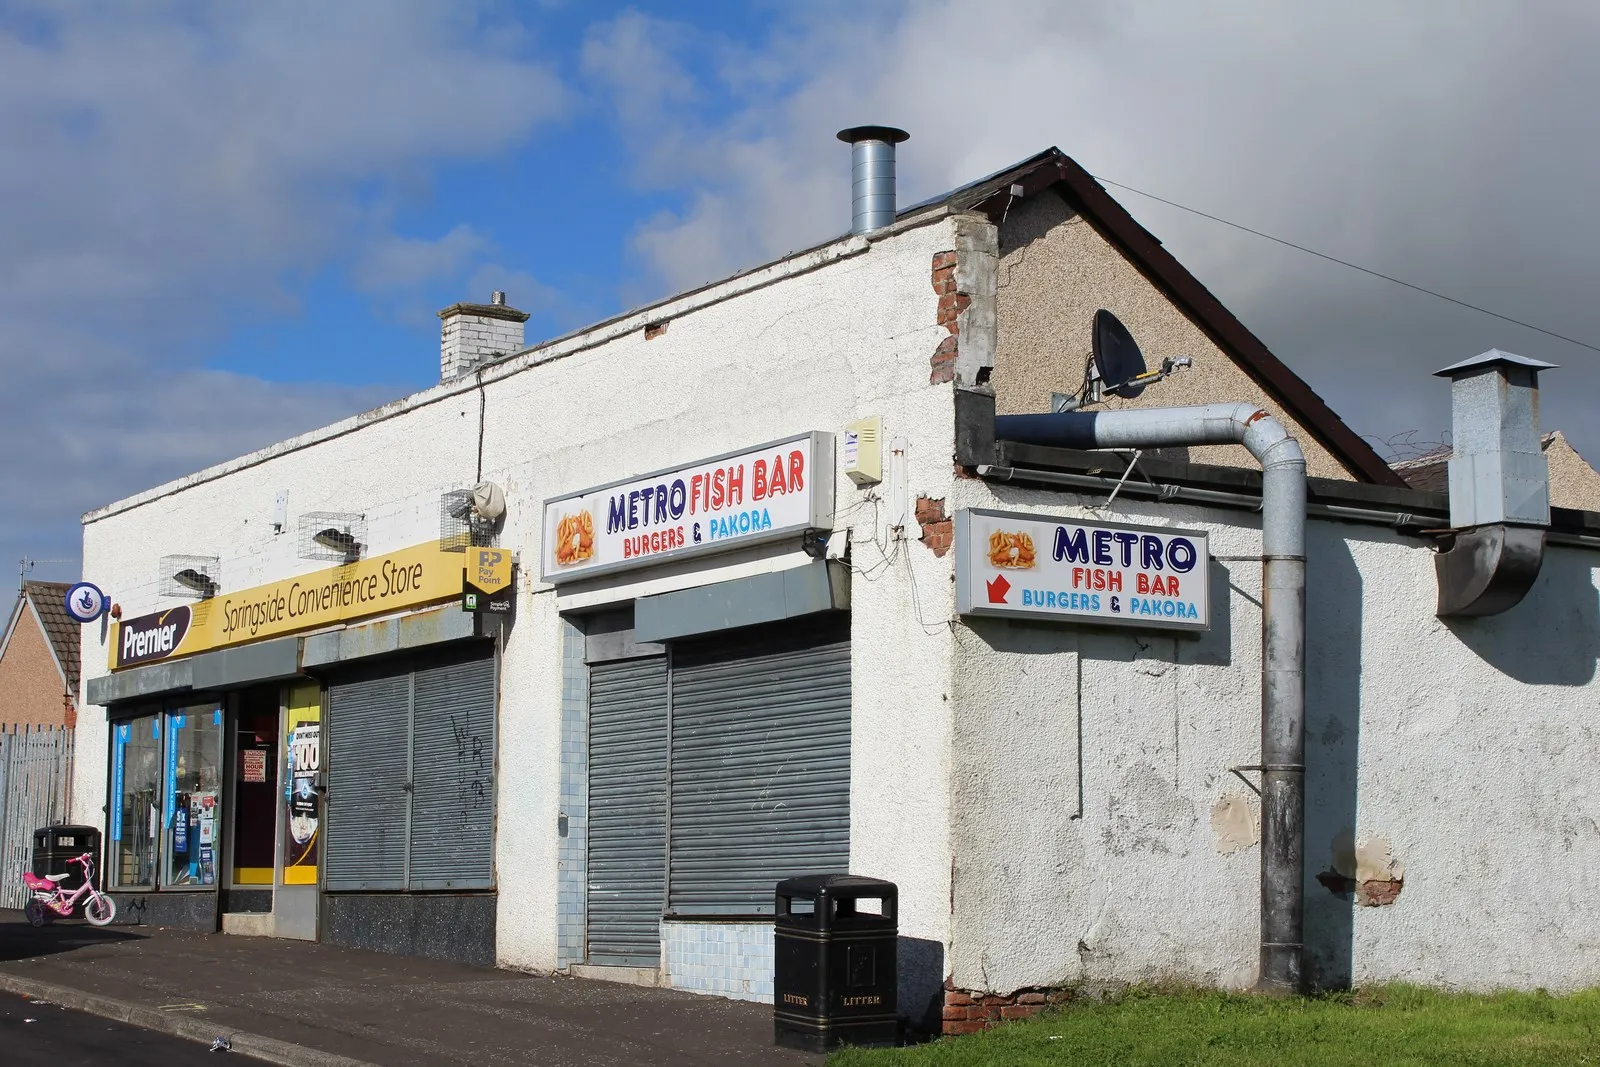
[{"x": 1040, "y": 567}]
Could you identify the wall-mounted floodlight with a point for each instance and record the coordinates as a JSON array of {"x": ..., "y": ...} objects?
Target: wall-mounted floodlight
[
  {"x": 340, "y": 541},
  {"x": 196, "y": 582}
]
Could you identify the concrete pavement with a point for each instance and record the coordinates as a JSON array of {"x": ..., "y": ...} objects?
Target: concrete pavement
[{"x": 311, "y": 1005}]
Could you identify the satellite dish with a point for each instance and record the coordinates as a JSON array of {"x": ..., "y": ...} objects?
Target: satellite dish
[
  {"x": 1117, "y": 358},
  {"x": 488, "y": 501}
]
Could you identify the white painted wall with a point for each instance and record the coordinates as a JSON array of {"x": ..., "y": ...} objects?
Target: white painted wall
[
  {"x": 1469, "y": 749},
  {"x": 810, "y": 344}
]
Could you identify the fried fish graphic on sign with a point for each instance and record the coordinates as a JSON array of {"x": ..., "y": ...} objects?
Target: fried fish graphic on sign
[
  {"x": 575, "y": 538},
  {"x": 1013, "y": 551}
]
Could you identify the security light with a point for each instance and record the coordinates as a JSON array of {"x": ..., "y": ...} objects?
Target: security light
[
  {"x": 338, "y": 540},
  {"x": 203, "y": 584}
]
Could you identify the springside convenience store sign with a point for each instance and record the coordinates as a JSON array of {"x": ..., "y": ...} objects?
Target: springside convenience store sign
[
  {"x": 1036, "y": 567},
  {"x": 743, "y": 498},
  {"x": 413, "y": 576}
]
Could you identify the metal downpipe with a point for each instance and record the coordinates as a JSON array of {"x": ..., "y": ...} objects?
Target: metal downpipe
[{"x": 1283, "y": 626}]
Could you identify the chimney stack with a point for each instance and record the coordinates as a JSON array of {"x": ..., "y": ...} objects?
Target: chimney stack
[
  {"x": 872, "y": 175},
  {"x": 472, "y": 334}
]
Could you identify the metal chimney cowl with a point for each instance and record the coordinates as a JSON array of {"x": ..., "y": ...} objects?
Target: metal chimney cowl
[
  {"x": 872, "y": 177},
  {"x": 1499, "y": 485}
]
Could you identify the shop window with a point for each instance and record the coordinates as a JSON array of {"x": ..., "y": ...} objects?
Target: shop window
[
  {"x": 136, "y": 801},
  {"x": 166, "y": 785},
  {"x": 193, "y": 795}
]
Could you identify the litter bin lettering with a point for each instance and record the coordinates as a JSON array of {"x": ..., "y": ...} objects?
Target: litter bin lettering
[{"x": 836, "y": 968}]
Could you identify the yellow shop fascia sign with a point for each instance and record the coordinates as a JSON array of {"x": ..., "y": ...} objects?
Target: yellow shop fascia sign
[{"x": 411, "y": 577}]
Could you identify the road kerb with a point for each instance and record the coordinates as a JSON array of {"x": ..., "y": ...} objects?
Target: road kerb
[{"x": 256, "y": 1046}]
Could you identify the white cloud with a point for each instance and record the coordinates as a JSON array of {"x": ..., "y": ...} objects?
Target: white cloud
[
  {"x": 392, "y": 261},
  {"x": 166, "y": 166},
  {"x": 1446, "y": 144}
]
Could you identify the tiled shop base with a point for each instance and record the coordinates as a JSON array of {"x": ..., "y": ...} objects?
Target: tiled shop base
[{"x": 726, "y": 959}]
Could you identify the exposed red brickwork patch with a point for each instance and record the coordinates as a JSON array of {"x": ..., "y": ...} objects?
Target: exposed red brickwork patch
[
  {"x": 1372, "y": 893},
  {"x": 951, "y": 304},
  {"x": 937, "y": 529},
  {"x": 967, "y": 1011},
  {"x": 652, "y": 330}
]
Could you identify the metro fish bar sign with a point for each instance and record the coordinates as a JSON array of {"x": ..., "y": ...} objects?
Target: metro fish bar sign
[
  {"x": 743, "y": 498},
  {"x": 413, "y": 576},
  {"x": 1039, "y": 567}
]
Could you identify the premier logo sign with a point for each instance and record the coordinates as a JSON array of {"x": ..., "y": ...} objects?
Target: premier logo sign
[{"x": 151, "y": 637}]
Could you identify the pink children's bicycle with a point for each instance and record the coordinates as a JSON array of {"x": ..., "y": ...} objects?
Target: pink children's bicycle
[{"x": 48, "y": 899}]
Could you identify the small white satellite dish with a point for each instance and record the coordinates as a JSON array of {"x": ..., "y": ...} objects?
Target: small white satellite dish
[{"x": 488, "y": 501}]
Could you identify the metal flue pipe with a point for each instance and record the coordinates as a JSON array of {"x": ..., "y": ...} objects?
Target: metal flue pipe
[
  {"x": 872, "y": 178},
  {"x": 1283, "y": 627}
]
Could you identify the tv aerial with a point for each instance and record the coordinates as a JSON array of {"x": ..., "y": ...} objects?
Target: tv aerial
[{"x": 1116, "y": 366}]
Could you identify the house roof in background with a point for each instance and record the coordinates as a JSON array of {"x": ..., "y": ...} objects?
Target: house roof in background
[
  {"x": 1430, "y": 472},
  {"x": 49, "y": 603}
]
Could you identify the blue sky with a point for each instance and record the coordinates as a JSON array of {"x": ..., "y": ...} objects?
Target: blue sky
[
  {"x": 558, "y": 207},
  {"x": 223, "y": 225}
]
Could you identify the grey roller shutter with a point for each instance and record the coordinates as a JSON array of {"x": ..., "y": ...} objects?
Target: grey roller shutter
[
  {"x": 368, "y": 772},
  {"x": 627, "y": 811},
  {"x": 411, "y": 748},
  {"x": 760, "y": 787},
  {"x": 452, "y": 773}
]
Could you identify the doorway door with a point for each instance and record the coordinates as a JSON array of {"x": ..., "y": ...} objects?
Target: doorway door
[{"x": 255, "y": 755}]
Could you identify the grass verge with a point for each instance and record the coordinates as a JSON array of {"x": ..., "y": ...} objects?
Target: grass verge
[{"x": 1380, "y": 1026}]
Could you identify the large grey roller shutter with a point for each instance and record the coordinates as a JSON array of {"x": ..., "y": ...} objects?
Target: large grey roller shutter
[
  {"x": 627, "y": 810},
  {"x": 760, "y": 763},
  {"x": 452, "y": 772},
  {"x": 368, "y": 771},
  {"x": 411, "y": 752}
]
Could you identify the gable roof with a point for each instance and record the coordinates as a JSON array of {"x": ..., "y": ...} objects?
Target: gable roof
[
  {"x": 47, "y": 603},
  {"x": 1053, "y": 169}
]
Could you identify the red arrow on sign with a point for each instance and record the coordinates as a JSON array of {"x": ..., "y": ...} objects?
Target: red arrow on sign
[{"x": 998, "y": 589}]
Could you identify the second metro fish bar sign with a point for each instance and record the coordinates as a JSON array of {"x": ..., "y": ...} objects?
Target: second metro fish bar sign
[
  {"x": 1040, "y": 567},
  {"x": 765, "y": 493}
]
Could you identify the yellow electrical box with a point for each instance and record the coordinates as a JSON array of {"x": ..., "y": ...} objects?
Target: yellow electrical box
[{"x": 863, "y": 450}]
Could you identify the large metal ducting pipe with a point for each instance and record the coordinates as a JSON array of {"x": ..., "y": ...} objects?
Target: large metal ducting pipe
[
  {"x": 871, "y": 175},
  {"x": 1499, "y": 485},
  {"x": 1283, "y": 629}
]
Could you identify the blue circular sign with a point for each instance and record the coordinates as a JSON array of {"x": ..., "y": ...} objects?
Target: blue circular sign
[{"x": 85, "y": 602}]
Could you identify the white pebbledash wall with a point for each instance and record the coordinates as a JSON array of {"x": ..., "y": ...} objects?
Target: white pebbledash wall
[
  {"x": 810, "y": 343},
  {"x": 1451, "y": 778}
]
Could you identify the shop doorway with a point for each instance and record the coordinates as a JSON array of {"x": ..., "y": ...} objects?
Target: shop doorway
[{"x": 256, "y": 749}]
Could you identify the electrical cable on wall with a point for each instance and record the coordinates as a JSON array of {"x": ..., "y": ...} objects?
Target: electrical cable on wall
[{"x": 1353, "y": 266}]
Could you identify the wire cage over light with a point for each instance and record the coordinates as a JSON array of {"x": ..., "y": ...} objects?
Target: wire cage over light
[
  {"x": 334, "y": 536},
  {"x": 190, "y": 577},
  {"x": 470, "y": 518}
]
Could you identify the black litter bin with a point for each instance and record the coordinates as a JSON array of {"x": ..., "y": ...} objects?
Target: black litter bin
[
  {"x": 53, "y": 846},
  {"x": 835, "y": 964}
]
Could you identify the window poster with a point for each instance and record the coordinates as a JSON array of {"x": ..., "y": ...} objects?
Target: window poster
[{"x": 302, "y": 797}]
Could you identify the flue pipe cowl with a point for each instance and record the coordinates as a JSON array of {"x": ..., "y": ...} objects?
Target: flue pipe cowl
[{"x": 872, "y": 178}]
